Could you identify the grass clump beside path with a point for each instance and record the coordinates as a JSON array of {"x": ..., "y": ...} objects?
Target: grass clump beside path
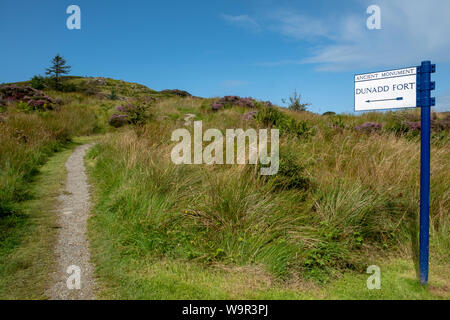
[{"x": 27, "y": 237}]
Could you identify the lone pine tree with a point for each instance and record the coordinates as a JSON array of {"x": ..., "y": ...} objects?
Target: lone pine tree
[{"x": 58, "y": 69}]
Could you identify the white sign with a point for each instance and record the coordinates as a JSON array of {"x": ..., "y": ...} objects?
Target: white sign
[{"x": 386, "y": 90}]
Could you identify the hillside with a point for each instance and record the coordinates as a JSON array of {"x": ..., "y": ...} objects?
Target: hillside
[{"x": 346, "y": 195}]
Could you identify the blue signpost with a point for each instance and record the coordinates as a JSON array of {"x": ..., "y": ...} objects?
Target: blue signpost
[
  {"x": 405, "y": 88},
  {"x": 424, "y": 100}
]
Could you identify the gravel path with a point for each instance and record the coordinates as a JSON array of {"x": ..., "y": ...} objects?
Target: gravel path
[{"x": 73, "y": 278}]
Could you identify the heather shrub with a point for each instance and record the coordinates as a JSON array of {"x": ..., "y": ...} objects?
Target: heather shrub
[
  {"x": 400, "y": 124},
  {"x": 28, "y": 97},
  {"x": 337, "y": 122},
  {"x": 249, "y": 115},
  {"x": 230, "y": 101},
  {"x": 368, "y": 127},
  {"x": 118, "y": 120},
  {"x": 176, "y": 92}
]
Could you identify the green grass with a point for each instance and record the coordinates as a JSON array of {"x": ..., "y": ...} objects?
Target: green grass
[
  {"x": 342, "y": 200},
  {"x": 161, "y": 231},
  {"x": 398, "y": 282},
  {"x": 28, "y": 139},
  {"x": 128, "y": 273},
  {"x": 27, "y": 238}
]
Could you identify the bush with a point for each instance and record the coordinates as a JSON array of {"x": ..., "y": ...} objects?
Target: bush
[
  {"x": 69, "y": 87},
  {"x": 27, "y": 97},
  {"x": 39, "y": 82},
  {"x": 136, "y": 113},
  {"x": 176, "y": 92},
  {"x": 113, "y": 95},
  {"x": 295, "y": 102},
  {"x": 290, "y": 173},
  {"x": 273, "y": 117},
  {"x": 400, "y": 124},
  {"x": 231, "y": 101},
  {"x": 118, "y": 120}
]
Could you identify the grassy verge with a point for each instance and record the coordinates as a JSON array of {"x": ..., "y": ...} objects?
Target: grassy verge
[
  {"x": 147, "y": 242},
  {"x": 398, "y": 282},
  {"x": 27, "y": 237},
  {"x": 126, "y": 273}
]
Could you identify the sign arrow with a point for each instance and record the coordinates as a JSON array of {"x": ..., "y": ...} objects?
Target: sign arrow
[{"x": 398, "y": 99}]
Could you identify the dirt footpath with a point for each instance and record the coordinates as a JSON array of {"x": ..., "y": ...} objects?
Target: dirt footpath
[{"x": 73, "y": 278}]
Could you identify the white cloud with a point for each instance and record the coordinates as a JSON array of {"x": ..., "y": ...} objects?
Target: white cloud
[
  {"x": 244, "y": 21},
  {"x": 412, "y": 31},
  {"x": 297, "y": 26}
]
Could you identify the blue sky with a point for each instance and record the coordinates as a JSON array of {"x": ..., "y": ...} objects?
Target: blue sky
[{"x": 263, "y": 49}]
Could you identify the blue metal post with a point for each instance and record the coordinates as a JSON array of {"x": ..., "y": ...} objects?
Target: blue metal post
[{"x": 425, "y": 102}]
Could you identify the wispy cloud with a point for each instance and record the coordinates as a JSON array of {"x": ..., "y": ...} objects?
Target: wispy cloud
[
  {"x": 297, "y": 26},
  {"x": 411, "y": 31},
  {"x": 243, "y": 21}
]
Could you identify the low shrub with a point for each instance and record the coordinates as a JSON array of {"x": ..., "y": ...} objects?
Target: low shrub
[
  {"x": 295, "y": 103},
  {"x": 113, "y": 95},
  {"x": 39, "y": 82},
  {"x": 273, "y": 117},
  {"x": 291, "y": 175},
  {"x": 231, "y": 101},
  {"x": 34, "y": 99},
  {"x": 118, "y": 120},
  {"x": 136, "y": 113},
  {"x": 176, "y": 92},
  {"x": 368, "y": 127}
]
